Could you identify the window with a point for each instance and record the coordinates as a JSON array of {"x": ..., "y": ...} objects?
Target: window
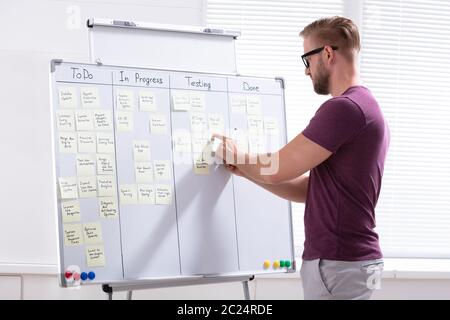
[{"x": 405, "y": 62}]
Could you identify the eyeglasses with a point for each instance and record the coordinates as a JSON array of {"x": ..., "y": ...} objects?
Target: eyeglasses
[{"x": 310, "y": 53}]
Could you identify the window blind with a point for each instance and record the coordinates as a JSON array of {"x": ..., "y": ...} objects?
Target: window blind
[
  {"x": 405, "y": 62},
  {"x": 270, "y": 45}
]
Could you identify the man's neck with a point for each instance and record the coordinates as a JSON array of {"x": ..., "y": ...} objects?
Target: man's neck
[{"x": 343, "y": 79}]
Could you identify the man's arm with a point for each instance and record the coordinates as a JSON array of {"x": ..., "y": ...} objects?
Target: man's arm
[
  {"x": 295, "y": 159},
  {"x": 294, "y": 190}
]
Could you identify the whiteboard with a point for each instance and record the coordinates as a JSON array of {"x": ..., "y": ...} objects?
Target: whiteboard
[{"x": 173, "y": 220}]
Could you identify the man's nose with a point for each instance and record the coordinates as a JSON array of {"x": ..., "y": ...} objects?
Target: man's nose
[{"x": 307, "y": 73}]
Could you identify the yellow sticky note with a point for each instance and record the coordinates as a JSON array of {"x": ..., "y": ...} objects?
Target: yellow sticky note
[
  {"x": 125, "y": 100},
  {"x": 105, "y": 164},
  {"x": 106, "y": 186},
  {"x": 102, "y": 120},
  {"x": 128, "y": 194},
  {"x": 257, "y": 144},
  {"x": 85, "y": 165},
  {"x": 65, "y": 120},
  {"x": 67, "y": 142},
  {"x": 181, "y": 101},
  {"x": 141, "y": 150},
  {"x": 68, "y": 187},
  {"x": 143, "y": 172},
  {"x": 201, "y": 166},
  {"x": 271, "y": 127},
  {"x": 147, "y": 101},
  {"x": 253, "y": 105},
  {"x": 124, "y": 121},
  {"x": 158, "y": 124},
  {"x": 198, "y": 122},
  {"x": 216, "y": 123},
  {"x": 238, "y": 104},
  {"x": 90, "y": 97},
  {"x": 87, "y": 142},
  {"x": 84, "y": 120},
  {"x": 181, "y": 141},
  {"x": 199, "y": 142},
  {"x": 255, "y": 125},
  {"x": 241, "y": 140},
  {"x": 108, "y": 207},
  {"x": 92, "y": 233},
  {"x": 197, "y": 100},
  {"x": 105, "y": 142},
  {"x": 67, "y": 97},
  {"x": 72, "y": 234},
  {"x": 87, "y": 187},
  {"x": 162, "y": 169},
  {"x": 70, "y": 211},
  {"x": 163, "y": 194},
  {"x": 146, "y": 194},
  {"x": 95, "y": 256}
]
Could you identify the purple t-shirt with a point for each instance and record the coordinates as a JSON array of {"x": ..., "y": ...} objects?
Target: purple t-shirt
[{"x": 343, "y": 190}]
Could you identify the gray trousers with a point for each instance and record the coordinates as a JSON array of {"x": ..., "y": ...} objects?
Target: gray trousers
[{"x": 338, "y": 280}]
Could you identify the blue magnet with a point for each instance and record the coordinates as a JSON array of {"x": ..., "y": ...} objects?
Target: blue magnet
[
  {"x": 91, "y": 275},
  {"x": 84, "y": 276}
]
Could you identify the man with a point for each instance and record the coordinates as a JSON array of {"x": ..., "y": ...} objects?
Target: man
[{"x": 344, "y": 149}]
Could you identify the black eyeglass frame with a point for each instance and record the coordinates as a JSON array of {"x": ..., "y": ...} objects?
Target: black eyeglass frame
[{"x": 310, "y": 53}]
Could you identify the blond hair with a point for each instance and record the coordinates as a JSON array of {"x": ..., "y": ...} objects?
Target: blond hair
[{"x": 336, "y": 31}]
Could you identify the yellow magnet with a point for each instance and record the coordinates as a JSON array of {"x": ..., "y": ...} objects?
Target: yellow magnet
[
  {"x": 276, "y": 264},
  {"x": 266, "y": 264}
]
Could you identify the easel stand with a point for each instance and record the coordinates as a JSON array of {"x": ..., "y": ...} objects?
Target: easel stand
[{"x": 164, "y": 283}]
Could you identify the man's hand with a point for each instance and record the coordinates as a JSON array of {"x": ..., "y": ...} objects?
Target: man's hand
[{"x": 234, "y": 170}]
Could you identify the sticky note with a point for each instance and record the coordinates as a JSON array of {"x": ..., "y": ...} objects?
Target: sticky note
[
  {"x": 255, "y": 125},
  {"x": 67, "y": 142},
  {"x": 158, "y": 124},
  {"x": 105, "y": 164},
  {"x": 102, "y": 120},
  {"x": 84, "y": 120},
  {"x": 181, "y": 141},
  {"x": 92, "y": 233},
  {"x": 256, "y": 144},
  {"x": 201, "y": 166},
  {"x": 238, "y": 104},
  {"x": 141, "y": 150},
  {"x": 125, "y": 100},
  {"x": 271, "y": 127},
  {"x": 124, "y": 121},
  {"x": 162, "y": 169},
  {"x": 87, "y": 142},
  {"x": 241, "y": 140},
  {"x": 163, "y": 194},
  {"x": 68, "y": 187},
  {"x": 181, "y": 101},
  {"x": 106, "y": 186},
  {"x": 87, "y": 187},
  {"x": 216, "y": 123},
  {"x": 85, "y": 165},
  {"x": 108, "y": 207},
  {"x": 90, "y": 97},
  {"x": 197, "y": 100},
  {"x": 146, "y": 194},
  {"x": 95, "y": 256},
  {"x": 128, "y": 194},
  {"x": 72, "y": 234},
  {"x": 147, "y": 101},
  {"x": 199, "y": 142},
  {"x": 70, "y": 211},
  {"x": 65, "y": 120},
  {"x": 67, "y": 97},
  {"x": 143, "y": 172},
  {"x": 105, "y": 142},
  {"x": 253, "y": 105},
  {"x": 198, "y": 122}
]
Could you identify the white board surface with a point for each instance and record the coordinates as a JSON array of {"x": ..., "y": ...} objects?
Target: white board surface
[{"x": 173, "y": 218}]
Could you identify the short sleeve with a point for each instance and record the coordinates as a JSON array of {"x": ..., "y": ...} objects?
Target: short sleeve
[{"x": 337, "y": 121}]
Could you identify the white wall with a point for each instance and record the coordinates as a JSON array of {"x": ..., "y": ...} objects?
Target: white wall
[{"x": 33, "y": 32}]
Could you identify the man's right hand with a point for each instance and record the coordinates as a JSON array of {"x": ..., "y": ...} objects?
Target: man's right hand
[{"x": 234, "y": 170}]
